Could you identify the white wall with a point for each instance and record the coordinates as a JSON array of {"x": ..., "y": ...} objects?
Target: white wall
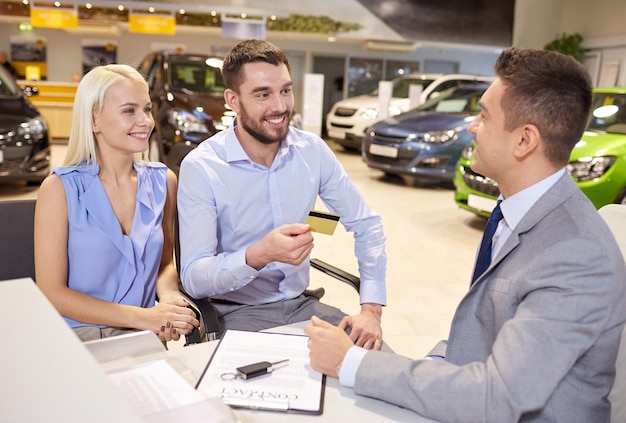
[
  {"x": 537, "y": 22},
  {"x": 602, "y": 25},
  {"x": 600, "y": 22}
]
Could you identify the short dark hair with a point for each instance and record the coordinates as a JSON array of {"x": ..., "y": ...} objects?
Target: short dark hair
[
  {"x": 550, "y": 90},
  {"x": 250, "y": 51}
]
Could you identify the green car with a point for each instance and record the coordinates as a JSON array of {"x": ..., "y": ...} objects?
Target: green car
[{"x": 597, "y": 163}]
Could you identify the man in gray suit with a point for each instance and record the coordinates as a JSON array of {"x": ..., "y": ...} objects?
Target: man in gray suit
[{"x": 536, "y": 337}]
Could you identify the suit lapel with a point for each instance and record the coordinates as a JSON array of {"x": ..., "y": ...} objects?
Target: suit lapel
[{"x": 563, "y": 189}]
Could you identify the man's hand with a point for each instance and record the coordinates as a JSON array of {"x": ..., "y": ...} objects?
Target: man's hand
[
  {"x": 289, "y": 244},
  {"x": 365, "y": 329},
  {"x": 328, "y": 346}
]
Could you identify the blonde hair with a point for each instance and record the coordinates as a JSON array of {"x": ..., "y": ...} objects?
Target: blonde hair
[{"x": 89, "y": 100}]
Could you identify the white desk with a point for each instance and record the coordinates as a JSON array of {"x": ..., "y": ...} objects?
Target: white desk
[
  {"x": 340, "y": 403},
  {"x": 46, "y": 372},
  {"x": 49, "y": 375}
]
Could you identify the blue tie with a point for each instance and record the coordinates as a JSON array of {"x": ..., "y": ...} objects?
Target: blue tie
[{"x": 484, "y": 254}]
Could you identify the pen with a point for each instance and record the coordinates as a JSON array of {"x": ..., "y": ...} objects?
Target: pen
[{"x": 261, "y": 368}]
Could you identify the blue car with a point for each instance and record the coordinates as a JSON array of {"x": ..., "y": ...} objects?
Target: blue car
[{"x": 425, "y": 142}]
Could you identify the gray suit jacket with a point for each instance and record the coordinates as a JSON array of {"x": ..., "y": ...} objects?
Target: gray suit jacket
[{"x": 535, "y": 339}]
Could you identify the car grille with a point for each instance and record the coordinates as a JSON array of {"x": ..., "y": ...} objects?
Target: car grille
[
  {"x": 393, "y": 140},
  {"x": 479, "y": 183},
  {"x": 10, "y": 166},
  {"x": 395, "y": 162},
  {"x": 342, "y": 126},
  {"x": 344, "y": 112}
]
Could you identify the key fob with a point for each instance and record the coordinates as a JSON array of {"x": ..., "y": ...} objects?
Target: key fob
[{"x": 253, "y": 370}]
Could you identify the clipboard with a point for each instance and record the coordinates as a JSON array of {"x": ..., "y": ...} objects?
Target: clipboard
[{"x": 295, "y": 388}]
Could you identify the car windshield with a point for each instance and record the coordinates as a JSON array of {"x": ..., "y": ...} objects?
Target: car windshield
[
  {"x": 8, "y": 87},
  {"x": 608, "y": 113},
  {"x": 197, "y": 76},
  {"x": 456, "y": 100},
  {"x": 401, "y": 86}
]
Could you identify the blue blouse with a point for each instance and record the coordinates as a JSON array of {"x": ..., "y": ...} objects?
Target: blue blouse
[{"x": 102, "y": 261}]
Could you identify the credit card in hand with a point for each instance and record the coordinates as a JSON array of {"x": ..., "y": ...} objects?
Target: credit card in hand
[{"x": 322, "y": 222}]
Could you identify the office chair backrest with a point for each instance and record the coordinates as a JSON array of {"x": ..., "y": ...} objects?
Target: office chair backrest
[
  {"x": 615, "y": 217},
  {"x": 205, "y": 312},
  {"x": 17, "y": 249}
]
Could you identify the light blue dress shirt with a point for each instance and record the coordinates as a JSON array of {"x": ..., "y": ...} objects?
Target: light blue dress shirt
[
  {"x": 226, "y": 202},
  {"x": 102, "y": 261},
  {"x": 513, "y": 209}
]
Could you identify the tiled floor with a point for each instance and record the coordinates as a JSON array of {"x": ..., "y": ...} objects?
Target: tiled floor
[{"x": 430, "y": 247}]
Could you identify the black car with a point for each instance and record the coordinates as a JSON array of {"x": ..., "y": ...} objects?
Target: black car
[
  {"x": 24, "y": 143},
  {"x": 187, "y": 93}
]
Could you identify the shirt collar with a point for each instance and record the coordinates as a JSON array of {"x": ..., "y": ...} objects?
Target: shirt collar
[
  {"x": 515, "y": 207},
  {"x": 235, "y": 152}
]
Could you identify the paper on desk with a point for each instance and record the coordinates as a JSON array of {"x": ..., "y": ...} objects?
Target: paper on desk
[
  {"x": 295, "y": 387},
  {"x": 154, "y": 387}
]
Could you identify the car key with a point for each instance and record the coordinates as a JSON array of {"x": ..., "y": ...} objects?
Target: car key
[{"x": 258, "y": 369}]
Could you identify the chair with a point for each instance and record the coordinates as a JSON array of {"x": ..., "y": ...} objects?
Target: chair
[
  {"x": 17, "y": 247},
  {"x": 615, "y": 217},
  {"x": 17, "y": 259},
  {"x": 207, "y": 314}
]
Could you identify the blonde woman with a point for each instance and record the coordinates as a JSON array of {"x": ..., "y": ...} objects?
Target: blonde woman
[{"x": 104, "y": 221}]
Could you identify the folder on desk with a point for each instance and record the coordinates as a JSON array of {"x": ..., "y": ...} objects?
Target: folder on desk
[
  {"x": 295, "y": 388},
  {"x": 132, "y": 344}
]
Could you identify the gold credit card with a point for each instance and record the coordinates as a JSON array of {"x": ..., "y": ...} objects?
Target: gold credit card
[{"x": 322, "y": 222}]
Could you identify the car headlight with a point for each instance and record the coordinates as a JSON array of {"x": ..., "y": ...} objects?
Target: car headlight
[
  {"x": 32, "y": 129},
  {"x": 186, "y": 122},
  {"x": 394, "y": 110},
  {"x": 468, "y": 151},
  {"x": 439, "y": 137},
  {"x": 369, "y": 114},
  {"x": 589, "y": 168}
]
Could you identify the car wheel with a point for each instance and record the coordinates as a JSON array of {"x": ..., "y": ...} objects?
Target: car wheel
[
  {"x": 35, "y": 183},
  {"x": 392, "y": 175},
  {"x": 154, "y": 153},
  {"x": 621, "y": 198}
]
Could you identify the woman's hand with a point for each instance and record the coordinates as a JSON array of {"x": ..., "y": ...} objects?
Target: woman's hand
[{"x": 170, "y": 318}]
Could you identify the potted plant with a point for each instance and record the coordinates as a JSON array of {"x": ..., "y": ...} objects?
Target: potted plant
[{"x": 569, "y": 44}]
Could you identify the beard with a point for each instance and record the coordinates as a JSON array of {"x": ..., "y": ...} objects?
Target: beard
[{"x": 260, "y": 132}]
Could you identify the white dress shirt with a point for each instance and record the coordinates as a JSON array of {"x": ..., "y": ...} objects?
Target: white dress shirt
[{"x": 226, "y": 202}]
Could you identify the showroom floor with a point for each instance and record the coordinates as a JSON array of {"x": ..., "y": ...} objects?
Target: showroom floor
[{"x": 431, "y": 245}]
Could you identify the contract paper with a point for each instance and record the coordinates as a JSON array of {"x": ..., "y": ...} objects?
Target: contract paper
[
  {"x": 292, "y": 388},
  {"x": 154, "y": 387}
]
